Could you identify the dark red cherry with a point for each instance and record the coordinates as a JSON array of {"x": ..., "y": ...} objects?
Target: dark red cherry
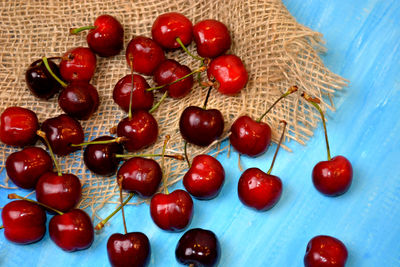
[
  {"x": 201, "y": 126},
  {"x": 25, "y": 167},
  {"x": 144, "y": 55},
  {"x": 169, "y": 26},
  {"x": 141, "y": 99},
  {"x": 78, "y": 64},
  {"x": 100, "y": 158},
  {"x": 141, "y": 130},
  {"x": 229, "y": 72},
  {"x": 39, "y": 80},
  {"x": 172, "y": 212},
  {"x": 79, "y": 100},
  {"x": 18, "y": 126},
  {"x": 131, "y": 249},
  {"x": 169, "y": 71},
  {"x": 259, "y": 190},
  {"x": 325, "y": 251},
  {"x": 205, "y": 177},
  {"x": 198, "y": 247},
  {"x": 72, "y": 231},
  {"x": 140, "y": 175},
  {"x": 24, "y": 222},
  {"x": 60, "y": 192},
  {"x": 211, "y": 37},
  {"x": 62, "y": 131},
  {"x": 250, "y": 137},
  {"x": 333, "y": 177}
]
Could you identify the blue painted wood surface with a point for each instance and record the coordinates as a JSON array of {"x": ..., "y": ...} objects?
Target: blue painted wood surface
[{"x": 363, "y": 38}]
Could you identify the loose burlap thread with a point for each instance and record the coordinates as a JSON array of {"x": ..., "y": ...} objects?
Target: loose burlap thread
[{"x": 278, "y": 52}]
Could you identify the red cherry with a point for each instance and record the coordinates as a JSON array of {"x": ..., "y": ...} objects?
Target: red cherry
[
  {"x": 141, "y": 99},
  {"x": 18, "y": 126},
  {"x": 333, "y": 177},
  {"x": 131, "y": 249},
  {"x": 205, "y": 177},
  {"x": 325, "y": 251},
  {"x": 61, "y": 132},
  {"x": 144, "y": 55},
  {"x": 169, "y": 26},
  {"x": 79, "y": 100},
  {"x": 229, "y": 72},
  {"x": 140, "y": 175},
  {"x": 24, "y": 222},
  {"x": 141, "y": 130},
  {"x": 72, "y": 231},
  {"x": 25, "y": 167},
  {"x": 172, "y": 212},
  {"x": 211, "y": 37},
  {"x": 78, "y": 64}
]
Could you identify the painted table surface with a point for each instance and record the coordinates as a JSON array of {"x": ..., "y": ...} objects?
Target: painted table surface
[{"x": 363, "y": 46}]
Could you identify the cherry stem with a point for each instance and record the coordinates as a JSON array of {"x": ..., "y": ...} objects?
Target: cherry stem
[
  {"x": 279, "y": 145},
  {"x": 186, "y": 155},
  {"x": 43, "y": 136},
  {"x": 121, "y": 201},
  {"x": 46, "y": 63},
  {"x": 1, "y": 227},
  {"x": 207, "y": 97},
  {"x": 155, "y": 107},
  {"x": 78, "y": 30},
  {"x": 115, "y": 140},
  {"x": 167, "y": 137},
  {"x": 177, "y": 156},
  {"x": 187, "y": 51},
  {"x": 315, "y": 102},
  {"x": 103, "y": 222},
  {"x": 289, "y": 91},
  {"x": 131, "y": 93},
  {"x": 15, "y": 196}
]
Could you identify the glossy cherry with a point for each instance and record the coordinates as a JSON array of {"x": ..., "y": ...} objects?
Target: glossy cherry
[
  {"x": 325, "y": 251},
  {"x": 40, "y": 82},
  {"x": 142, "y": 99},
  {"x": 131, "y": 249},
  {"x": 24, "y": 222},
  {"x": 78, "y": 64},
  {"x": 212, "y": 38},
  {"x": 25, "y": 167},
  {"x": 61, "y": 131},
  {"x": 72, "y": 231},
  {"x": 144, "y": 55},
  {"x": 229, "y": 73},
  {"x": 205, "y": 177},
  {"x": 18, "y": 126},
  {"x": 170, "y": 26},
  {"x": 172, "y": 212},
  {"x": 198, "y": 247}
]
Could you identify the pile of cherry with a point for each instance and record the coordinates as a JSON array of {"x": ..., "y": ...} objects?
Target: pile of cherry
[{"x": 24, "y": 220}]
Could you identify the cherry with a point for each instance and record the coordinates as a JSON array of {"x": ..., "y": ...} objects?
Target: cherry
[
  {"x": 260, "y": 190},
  {"x": 144, "y": 55},
  {"x": 143, "y": 99},
  {"x": 61, "y": 132},
  {"x": 325, "y": 251},
  {"x": 78, "y": 64},
  {"x": 205, "y": 177},
  {"x": 253, "y": 137},
  {"x": 40, "y": 82},
  {"x": 72, "y": 231},
  {"x": 172, "y": 212},
  {"x": 229, "y": 72},
  {"x": 25, "y": 167},
  {"x": 198, "y": 247},
  {"x": 211, "y": 37},
  {"x": 131, "y": 249},
  {"x": 334, "y": 176},
  {"x": 23, "y": 222},
  {"x": 105, "y": 37},
  {"x": 170, "y": 26}
]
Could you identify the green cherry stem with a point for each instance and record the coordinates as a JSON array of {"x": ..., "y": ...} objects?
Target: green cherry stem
[
  {"x": 43, "y": 136},
  {"x": 279, "y": 145},
  {"x": 46, "y": 63},
  {"x": 122, "y": 206},
  {"x": 178, "y": 157},
  {"x": 186, "y": 155},
  {"x": 288, "y": 92},
  {"x": 2, "y": 227},
  {"x": 15, "y": 196},
  {"x": 155, "y": 107},
  {"x": 115, "y": 140},
  {"x": 78, "y": 30},
  {"x": 187, "y": 51},
  {"x": 131, "y": 93},
  {"x": 167, "y": 137}
]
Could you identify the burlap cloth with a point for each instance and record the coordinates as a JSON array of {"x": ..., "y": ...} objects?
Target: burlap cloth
[{"x": 277, "y": 51}]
